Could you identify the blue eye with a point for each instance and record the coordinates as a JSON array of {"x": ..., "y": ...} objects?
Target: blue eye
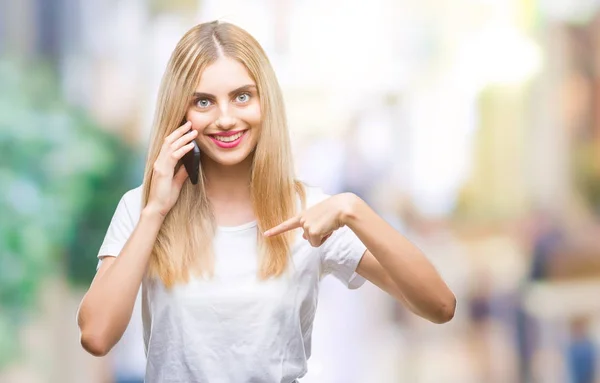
[
  {"x": 243, "y": 97},
  {"x": 203, "y": 103}
]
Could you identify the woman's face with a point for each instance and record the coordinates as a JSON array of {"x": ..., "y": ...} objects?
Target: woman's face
[{"x": 225, "y": 110}]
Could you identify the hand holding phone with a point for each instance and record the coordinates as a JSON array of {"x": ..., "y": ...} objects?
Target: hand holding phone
[{"x": 167, "y": 177}]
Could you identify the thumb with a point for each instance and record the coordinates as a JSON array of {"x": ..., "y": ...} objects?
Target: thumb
[{"x": 180, "y": 176}]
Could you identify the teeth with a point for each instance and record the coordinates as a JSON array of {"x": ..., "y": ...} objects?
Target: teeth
[{"x": 229, "y": 138}]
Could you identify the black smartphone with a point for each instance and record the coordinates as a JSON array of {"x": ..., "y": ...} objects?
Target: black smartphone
[{"x": 191, "y": 161}]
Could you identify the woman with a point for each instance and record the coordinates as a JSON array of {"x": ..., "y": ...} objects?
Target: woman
[{"x": 230, "y": 267}]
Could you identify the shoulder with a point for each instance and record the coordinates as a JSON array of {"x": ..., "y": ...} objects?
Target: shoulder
[
  {"x": 134, "y": 195},
  {"x": 131, "y": 201}
]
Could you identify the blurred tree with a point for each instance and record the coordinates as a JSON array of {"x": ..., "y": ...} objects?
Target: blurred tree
[{"x": 60, "y": 179}]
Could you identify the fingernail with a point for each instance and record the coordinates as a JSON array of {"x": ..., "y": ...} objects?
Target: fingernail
[{"x": 266, "y": 233}]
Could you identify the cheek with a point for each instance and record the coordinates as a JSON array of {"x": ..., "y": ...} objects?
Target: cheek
[
  {"x": 200, "y": 120},
  {"x": 252, "y": 115}
]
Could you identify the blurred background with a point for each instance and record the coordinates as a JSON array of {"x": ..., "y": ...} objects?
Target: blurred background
[{"x": 472, "y": 126}]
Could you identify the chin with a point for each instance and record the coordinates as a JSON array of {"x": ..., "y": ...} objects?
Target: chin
[{"x": 232, "y": 159}]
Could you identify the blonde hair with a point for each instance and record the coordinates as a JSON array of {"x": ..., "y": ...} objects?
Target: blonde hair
[{"x": 184, "y": 242}]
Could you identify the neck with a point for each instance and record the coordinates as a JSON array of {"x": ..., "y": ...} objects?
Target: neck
[{"x": 228, "y": 183}]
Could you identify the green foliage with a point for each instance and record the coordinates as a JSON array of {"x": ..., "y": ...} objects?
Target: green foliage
[{"x": 60, "y": 180}]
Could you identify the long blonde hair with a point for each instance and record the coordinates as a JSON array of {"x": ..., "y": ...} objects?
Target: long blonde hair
[{"x": 184, "y": 242}]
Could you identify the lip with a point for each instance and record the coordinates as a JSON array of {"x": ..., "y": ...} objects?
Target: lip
[
  {"x": 227, "y": 134},
  {"x": 228, "y": 145}
]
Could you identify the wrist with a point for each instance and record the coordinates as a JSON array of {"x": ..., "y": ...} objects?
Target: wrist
[
  {"x": 152, "y": 213},
  {"x": 350, "y": 210}
]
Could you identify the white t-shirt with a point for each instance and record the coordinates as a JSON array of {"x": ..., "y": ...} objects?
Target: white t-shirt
[{"x": 235, "y": 328}]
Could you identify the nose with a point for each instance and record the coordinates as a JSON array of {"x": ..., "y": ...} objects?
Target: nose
[{"x": 225, "y": 121}]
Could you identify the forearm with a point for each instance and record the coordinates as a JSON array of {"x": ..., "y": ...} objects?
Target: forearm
[
  {"x": 416, "y": 278},
  {"x": 106, "y": 309}
]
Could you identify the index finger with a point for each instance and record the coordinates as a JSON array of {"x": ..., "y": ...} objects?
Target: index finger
[
  {"x": 292, "y": 223},
  {"x": 178, "y": 132}
]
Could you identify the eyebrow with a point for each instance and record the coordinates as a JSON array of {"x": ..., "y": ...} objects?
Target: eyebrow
[{"x": 230, "y": 94}]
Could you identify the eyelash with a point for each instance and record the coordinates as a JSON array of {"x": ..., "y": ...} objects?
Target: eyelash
[{"x": 211, "y": 101}]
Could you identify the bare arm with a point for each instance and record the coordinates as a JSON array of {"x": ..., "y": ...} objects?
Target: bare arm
[
  {"x": 371, "y": 270},
  {"x": 397, "y": 266},
  {"x": 106, "y": 308},
  {"x": 391, "y": 262}
]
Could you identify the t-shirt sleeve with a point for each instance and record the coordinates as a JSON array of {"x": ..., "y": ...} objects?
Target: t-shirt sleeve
[
  {"x": 340, "y": 255},
  {"x": 120, "y": 228}
]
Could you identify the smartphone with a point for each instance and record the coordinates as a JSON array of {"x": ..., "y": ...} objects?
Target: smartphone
[{"x": 191, "y": 161}]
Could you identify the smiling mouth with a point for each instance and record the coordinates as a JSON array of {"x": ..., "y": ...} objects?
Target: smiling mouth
[
  {"x": 228, "y": 137},
  {"x": 228, "y": 140}
]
